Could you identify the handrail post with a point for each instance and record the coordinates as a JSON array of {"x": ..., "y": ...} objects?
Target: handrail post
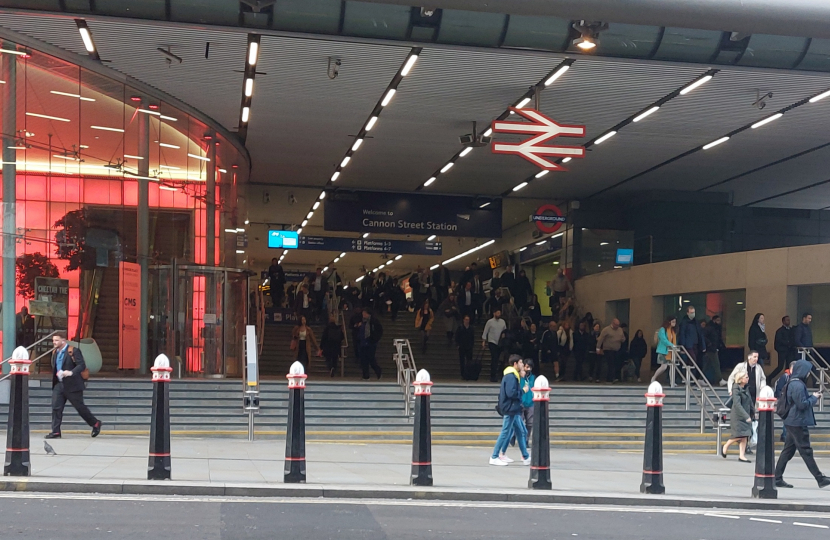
[
  {"x": 702, "y": 417},
  {"x": 688, "y": 386}
]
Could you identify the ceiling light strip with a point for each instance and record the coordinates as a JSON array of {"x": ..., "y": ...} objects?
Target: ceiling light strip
[
  {"x": 249, "y": 74},
  {"x": 86, "y": 37}
]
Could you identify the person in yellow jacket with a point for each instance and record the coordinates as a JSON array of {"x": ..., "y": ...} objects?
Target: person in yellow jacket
[{"x": 423, "y": 322}]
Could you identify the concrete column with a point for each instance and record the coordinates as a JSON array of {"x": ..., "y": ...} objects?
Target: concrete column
[
  {"x": 767, "y": 293},
  {"x": 143, "y": 231},
  {"x": 9, "y": 89},
  {"x": 210, "y": 204}
]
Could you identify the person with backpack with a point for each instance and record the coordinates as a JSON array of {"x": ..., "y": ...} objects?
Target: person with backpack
[
  {"x": 796, "y": 409},
  {"x": 68, "y": 374},
  {"x": 510, "y": 407},
  {"x": 780, "y": 384},
  {"x": 527, "y": 382}
]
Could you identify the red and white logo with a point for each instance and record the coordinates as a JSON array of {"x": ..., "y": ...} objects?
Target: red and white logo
[{"x": 534, "y": 150}]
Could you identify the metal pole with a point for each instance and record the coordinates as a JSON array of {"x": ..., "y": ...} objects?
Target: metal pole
[
  {"x": 688, "y": 387},
  {"x": 9, "y": 200},
  {"x": 702, "y": 418},
  {"x": 210, "y": 204},
  {"x": 143, "y": 232},
  {"x": 250, "y": 426}
]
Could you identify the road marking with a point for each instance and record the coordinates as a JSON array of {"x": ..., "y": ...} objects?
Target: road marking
[
  {"x": 727, "y": 516},
  {"x": 765, "y": 520},
  {"x": 811, "y": 525}
]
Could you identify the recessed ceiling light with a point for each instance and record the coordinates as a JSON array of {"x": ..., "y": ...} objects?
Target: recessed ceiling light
[
  {"x": 304, "y": 223},
  {"x": 388, "y": 97},
  {"x": 357, "y": 144},
  {"x": 520, "y": 186},
  {"x": 431, "y": 238},
  {"x": 430, "y": 181},
  {"x": 316, "y": 205},
  {"x": 522, "y": 249},
  {"x": 371, "y": 123},
  {"x": 309, "y": 215},
  {"x": 365, "y": 235},
  {"x": 558, "y": 73},
  {"x": 398, "y": 257},
  {"x": 540, "y": 174},
  {"x": 447, "y": 167},
  {"x": 104, "y": 128},
  {"x": 253, "y": 51},
  {"x": 767, "y": 120},
  {"x": 715, "y": 143},
  {"x": 132, "y": 157},
  {"x": 523, "y": 102},
  {"x": 335, "y": 176},
  {"x": 194, "y": 156},
  {"x": 165, "y": 145},
  {"x": 67, "y": 94},
  {"x": 605, "y": 137},
  {"x": 409, "y": 63},
  {"x": 249, "y": 87},
  {"x": 466, "y": 151},
  {"x": 345, "y": 161},
  {"x": 246, "y": 113},
  {"x": 692, "y": 86},
  {"x": 646, "y": 113},
  {"x": 485, "y": 205},
  {"x": 46, "y": 116},
  {"x": 567, "y": 159},
  {"x": 86, "y": 36},
  {"x": 222, "y": 170},
  {"x": 322, "y": 195},
  {"x": 540, "y": 243},
  {"x": 488, "y": 132}
]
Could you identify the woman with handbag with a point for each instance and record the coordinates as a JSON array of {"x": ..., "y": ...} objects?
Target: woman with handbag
[
  {"x": 758, "y": 338},
  {"x": 303, "y": 342},
  {"x": 666, "y": 341},
  {"x": 740, "y": 419}
]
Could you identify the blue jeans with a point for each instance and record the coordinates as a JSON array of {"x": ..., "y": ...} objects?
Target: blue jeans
[{"x": 512, "y": 422}]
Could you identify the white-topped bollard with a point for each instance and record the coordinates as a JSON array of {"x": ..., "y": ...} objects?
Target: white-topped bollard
[
  {"x": 653, "y": 449},
  {"x": 159, "y": 466},
  {"x": 422, "y": 436},
  {"x": 540, "y": 451},
  {"x": 18, "y": 462},
  {"x": 764, "y": 487},
  {"x": 294, "y": 471}
]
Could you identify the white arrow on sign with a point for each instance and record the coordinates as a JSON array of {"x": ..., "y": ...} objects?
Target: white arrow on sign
[{"x": 533, "y": 149}]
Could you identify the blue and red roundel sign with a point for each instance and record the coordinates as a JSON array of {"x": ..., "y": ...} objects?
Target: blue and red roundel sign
[{"x": 548, "y": 218}]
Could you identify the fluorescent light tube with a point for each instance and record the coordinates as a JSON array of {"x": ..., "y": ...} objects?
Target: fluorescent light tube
[
  {"x": 466, "y": 151},
  {"x": 194, "y": 156},
  {"x": 715, "y": 143},
  {"x": 249, "y": 87},
  {"x": 605, "y": 137},
  {"x": 409, "y": 63},
  {"x": 520, "y": 186},
  {"x": 699, "y": 82},
  {"x": 447, "y": 167},
  {"x": 46, "y": 116},
  {"x": 469, "y": 251},
  {"x": 371, "y": 123},
  {"x": 253, "y": 51},
  {"x": 246, "y": 113},
  {"x": 357, "y": 144},
  {"x": 645, "y": 114},
  {"x": 540, "y": 174},
  {"x": 335, "y": 176},
  {"x": 767, "y": 120},
  {"x": 559, "y": 72},
  {"x": 388, "y": 97},
  {"x": 430, "y": 181}
]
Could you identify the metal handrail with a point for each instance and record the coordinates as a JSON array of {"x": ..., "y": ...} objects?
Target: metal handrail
[
  {"x": 33, "y": 345},
  {"x": 405, "y": 363},
  {"x": 34, "y": 361},
  {"x": 681, "y": 356},
  {"x": 821, "y": 366}
]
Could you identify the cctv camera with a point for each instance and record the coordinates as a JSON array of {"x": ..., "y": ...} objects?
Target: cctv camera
[
  {"x": 266, "y": 197},
  {"x": 466, "y": 139},
  {"x": 291, "y": 198},
  {"x": 761, "y": 100},
  {"x": 334, "y": 67}
]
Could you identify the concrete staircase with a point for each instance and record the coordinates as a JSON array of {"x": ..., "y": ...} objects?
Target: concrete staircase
[{"x": 582, "y": 416}]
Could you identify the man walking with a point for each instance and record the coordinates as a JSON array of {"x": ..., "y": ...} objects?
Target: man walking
[
  {"x": 369, "y": 333},
  {"x": 785, "y": 346},
  {"x": 609, "y": 343},
  {"x": 493, "y": 333},
  {"x": 711, "y": 360},
  {"x": 803, "y": 333},
  {"x": 798, "y": 421},
  {"x": 510, "y": 407},
  {"x": 68, "y": 385},
  {"x": 549, "y": 345},
  {"x": 465, "y": 339},
  {"x": 690, "y": 334}
]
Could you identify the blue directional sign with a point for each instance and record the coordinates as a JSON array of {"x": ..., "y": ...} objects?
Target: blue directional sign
[
  {"x": 370, "y": 245},
  {"x": 625, "y": 256},
  {"x": 282, "y": 239}
]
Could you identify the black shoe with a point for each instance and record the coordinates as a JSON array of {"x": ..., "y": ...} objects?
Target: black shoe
[
  {"x": 53, "y": 436},
  {"x": 380, "y": 375},
  {"x": 96, "y": 429},
  {"x": 782, "y": 484},
  {"x": 824, "y": 482},
  {"x": 744, "y": 460},
  {"x": 331, "y": 372}
]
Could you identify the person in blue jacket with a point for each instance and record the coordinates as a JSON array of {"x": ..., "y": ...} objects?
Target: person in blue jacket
[
  {"x": 527, "y": 381},
  {"x": 690, "y": 334},
  {"x": 510, "y": 407},
  {"x": 798, "y": 421}
]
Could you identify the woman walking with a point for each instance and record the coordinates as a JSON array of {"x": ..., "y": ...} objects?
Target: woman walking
[
  {"x": 637, "y": 351},
  {"x": 740, "y": 420},
  {"x": 666, "y": 340},
  {"x": 758, "y": 338},
  {"x": 303, "y": 342},
  {"x": 423, "y": 322},
  {"x": 591, "y": 347}
]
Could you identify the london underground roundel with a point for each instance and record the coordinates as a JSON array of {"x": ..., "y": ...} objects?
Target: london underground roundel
[{"x": 548, "y": 218}]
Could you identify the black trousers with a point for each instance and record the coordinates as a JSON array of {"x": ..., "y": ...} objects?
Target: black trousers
[
  {"x": 495, "y": 362},
  {"x": 784, "y": 359},
  {"x": 59, "y": 398},
  {"x": 798, "y": 438},
  {"x": 612, "y": 361},
  {"x": 579, "y": 362},
  {"x": 367, "y": 360},
  {"x": 465, "y": 356}
]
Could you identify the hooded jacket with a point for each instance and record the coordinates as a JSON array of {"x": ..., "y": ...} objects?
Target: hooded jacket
[
  {"x": 800, "y": 400},
  {"x": 510, "y": 393}
]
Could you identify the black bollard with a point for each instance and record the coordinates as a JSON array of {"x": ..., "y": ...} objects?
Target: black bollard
[
  {"x": 17, "y": 431},
  {"x": 540, "y": 451},
  {"x": 653, "y": 451},
  {"x": 422, "y": 436},
  {"x": 158, "y": 465},
  {"x": 295, "y": 431},
  {"x": 764, "y": 487}
]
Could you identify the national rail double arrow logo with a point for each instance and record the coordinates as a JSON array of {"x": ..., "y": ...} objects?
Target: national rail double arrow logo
[{"x": 534, "y": 150}]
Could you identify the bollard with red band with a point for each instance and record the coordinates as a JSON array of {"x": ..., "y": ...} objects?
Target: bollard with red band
[
  {"x": 540, "y": 451},
  {"x": 294, "y": 472},
  {"x": 158, "y": 465},
  {"x": 653, "y": 450},
  {"x": 764, "y": 487},
  {"x": 17, "y": 432},
  {"x": 422, "y": 436}
]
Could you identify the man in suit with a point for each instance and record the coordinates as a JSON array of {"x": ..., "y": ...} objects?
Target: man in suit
[{"x": 68, "y": 385}]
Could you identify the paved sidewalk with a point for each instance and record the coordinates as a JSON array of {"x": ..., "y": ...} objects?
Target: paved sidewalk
[{"x": 108, "y": 462}]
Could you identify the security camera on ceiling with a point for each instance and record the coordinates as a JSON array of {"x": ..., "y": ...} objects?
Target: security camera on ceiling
[
  {"x": 474, "y": 139},
  {"x": 334, "y": 67},
  {"x": 761, "y": 100},
  {"x": 169, "y": 57}
]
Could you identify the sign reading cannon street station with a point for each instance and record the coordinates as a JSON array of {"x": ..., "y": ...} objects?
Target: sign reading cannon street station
[{"x": 411, "y": 213}]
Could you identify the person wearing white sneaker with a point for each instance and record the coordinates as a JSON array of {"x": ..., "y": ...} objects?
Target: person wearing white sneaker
[{"x": 510, "y": 407}]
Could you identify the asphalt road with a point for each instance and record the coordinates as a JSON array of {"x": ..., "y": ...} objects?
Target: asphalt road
[{"x": 89, "y": 517}]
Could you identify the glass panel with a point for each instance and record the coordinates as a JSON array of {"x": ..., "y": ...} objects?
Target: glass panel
[
  {"x": 547, "y": 33},
  {"x": 815, "y": 299},
  {"x": 205, "y": 11},
  {"x": 773, "y": 51},
  {"x": 818, "y": 56},
  {"x": 422, "y": 33},
  {"x": 471, "y": 28},
  {"x": 376, "y": 20},
  {"x": 688, "y": 45},
  {"x": 617, "y": 309},
  {"x": 730, "y": 305},
  {"x": 631, "y": 40},
  {"x": 145, "y": 9},
  {"x": 321, "y": 16},
  {"x": 50, "y": 5},
  {"x": 598, "y": 249},
  {"x": 76, "y": 5}
]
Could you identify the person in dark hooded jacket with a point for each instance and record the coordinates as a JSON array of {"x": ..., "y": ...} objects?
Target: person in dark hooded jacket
[{"x": 798, "y": 421}]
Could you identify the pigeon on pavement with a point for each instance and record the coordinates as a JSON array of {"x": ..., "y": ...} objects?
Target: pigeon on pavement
[{"x": 49, "y": 450}]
